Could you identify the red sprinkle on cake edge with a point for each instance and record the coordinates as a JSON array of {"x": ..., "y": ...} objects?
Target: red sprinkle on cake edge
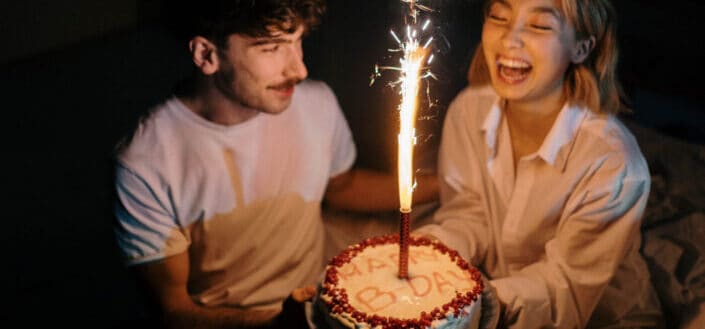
[{"x": 339, "y": 302}]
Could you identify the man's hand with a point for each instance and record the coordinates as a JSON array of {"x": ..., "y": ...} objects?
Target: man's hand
[
  {"x": 293, "y": 315},
  {"x": 303, "y": 294}
]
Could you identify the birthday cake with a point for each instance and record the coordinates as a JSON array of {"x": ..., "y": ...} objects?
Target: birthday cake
[{"x": 362, "y": 288}]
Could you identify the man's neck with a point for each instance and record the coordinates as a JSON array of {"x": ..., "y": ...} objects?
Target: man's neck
[{"x": 208, "y": 102}]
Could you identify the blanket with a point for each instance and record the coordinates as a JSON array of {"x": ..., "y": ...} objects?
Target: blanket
[{"x": 674, "y": 225}]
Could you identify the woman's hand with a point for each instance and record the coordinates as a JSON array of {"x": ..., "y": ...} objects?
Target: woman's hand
[{"x": 425, "y": 235}]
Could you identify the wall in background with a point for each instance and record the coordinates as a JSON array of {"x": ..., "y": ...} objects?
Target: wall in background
[
  {"x": 32, "y": 27},
  {"x": 657, "y": 38}
]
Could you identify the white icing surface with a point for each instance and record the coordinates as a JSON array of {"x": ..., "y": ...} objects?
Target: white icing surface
[{"x": 372, "y": 283}]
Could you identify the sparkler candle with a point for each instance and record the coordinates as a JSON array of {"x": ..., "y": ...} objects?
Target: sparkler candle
[
  {"x": 412, "y": 66},
  {"x": 443, "y": 290},
  {"x": 411, "y": 69}
]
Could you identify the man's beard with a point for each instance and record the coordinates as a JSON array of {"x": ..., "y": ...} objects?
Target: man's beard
[
  {"x": 224, "y": 82},
  {"x": 224, "y": 79}
]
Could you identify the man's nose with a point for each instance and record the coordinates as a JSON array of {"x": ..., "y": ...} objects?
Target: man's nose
[{"x": 295, "y": 68}]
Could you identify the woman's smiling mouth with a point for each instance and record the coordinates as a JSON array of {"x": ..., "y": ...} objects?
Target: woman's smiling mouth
[{"x": 512, "y": 70}]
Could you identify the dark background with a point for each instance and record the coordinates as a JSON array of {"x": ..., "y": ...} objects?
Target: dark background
[{"x": 74, "y": 75}]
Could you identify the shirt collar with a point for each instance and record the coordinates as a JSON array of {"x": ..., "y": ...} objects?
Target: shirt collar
[
  {"x": 560, "y": 139},
  {"x": 491, "y": 126},
  {"x": 558, "y": 142}
]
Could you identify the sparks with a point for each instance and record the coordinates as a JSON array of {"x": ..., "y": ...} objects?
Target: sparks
[
  {"x": 413, "y": 68},
  {"x": 428, "y": 42},
  {"x": 394, "y": 35}
]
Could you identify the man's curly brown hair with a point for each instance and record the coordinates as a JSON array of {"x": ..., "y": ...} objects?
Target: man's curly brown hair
[{"x": 217, "y": 19}]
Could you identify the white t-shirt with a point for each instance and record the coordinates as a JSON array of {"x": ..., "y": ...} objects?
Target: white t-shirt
[
  {"x": 559, "y": 234},
  {"x": 244, "y": 200}
]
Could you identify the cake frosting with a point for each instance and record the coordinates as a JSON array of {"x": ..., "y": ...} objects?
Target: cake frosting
[{"x": 362, "y": 289}]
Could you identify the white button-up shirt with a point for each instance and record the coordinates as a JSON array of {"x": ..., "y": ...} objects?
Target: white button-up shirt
[{"x": 558, "y": 235}]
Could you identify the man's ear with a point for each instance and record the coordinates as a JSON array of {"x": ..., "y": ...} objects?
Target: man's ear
[
  {"x": 582, "y": 49},
  {"x": 204, "y": 54}
]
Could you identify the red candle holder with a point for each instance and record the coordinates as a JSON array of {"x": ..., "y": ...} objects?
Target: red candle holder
[{"x": 404, "y": 246}]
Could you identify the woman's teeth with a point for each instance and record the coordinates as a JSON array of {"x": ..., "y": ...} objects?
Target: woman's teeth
[{"x": 513, "y": 70}]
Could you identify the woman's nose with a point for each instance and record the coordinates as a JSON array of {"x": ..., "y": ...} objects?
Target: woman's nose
[{"x": 512, "y": 38}]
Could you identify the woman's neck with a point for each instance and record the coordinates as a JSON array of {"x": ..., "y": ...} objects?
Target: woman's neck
[{"x": 529, "y": 123}]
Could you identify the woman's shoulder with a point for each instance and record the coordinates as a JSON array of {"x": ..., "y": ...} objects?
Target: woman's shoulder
[
  {"x": 472, "y": 102},
  {"x": 471, "y": 92},
  {"x": 608, "y": 136},
  {"x": 609, "y": 131}
]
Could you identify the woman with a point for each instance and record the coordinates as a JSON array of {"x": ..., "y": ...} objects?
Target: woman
[{"x": 542, "y": 186}]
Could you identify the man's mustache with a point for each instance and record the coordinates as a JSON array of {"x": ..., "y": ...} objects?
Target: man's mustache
[{"x": 286, "y": 84}]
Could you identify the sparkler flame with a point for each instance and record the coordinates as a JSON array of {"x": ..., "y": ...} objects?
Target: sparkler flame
[{"x": 413, "y": 68}]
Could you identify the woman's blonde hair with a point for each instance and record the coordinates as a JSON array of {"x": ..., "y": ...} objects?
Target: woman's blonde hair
[{"x": 592, "y": 83}]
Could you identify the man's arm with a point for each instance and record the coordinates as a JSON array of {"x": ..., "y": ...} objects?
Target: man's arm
[
  {"x": 367, "y": 190},
  {"x": 166, "y": 282}
]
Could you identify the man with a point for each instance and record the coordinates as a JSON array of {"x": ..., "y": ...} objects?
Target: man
[{"x": 220, "y": 187}]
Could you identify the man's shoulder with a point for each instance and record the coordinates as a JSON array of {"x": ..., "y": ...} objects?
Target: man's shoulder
[{"x": 151, "y": 132}]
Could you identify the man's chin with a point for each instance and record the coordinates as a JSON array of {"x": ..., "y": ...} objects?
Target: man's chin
[{"x": 276, "y": 108}]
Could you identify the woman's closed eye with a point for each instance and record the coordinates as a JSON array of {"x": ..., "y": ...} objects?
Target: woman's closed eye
[
  {"x": 497, "y": 18},
  {"x": 541, "y": 27},
  {"x": 544, "y": 21},
  {"x": 498, "y": 13}
]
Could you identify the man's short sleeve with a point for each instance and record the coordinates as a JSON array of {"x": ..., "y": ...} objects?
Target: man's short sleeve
[{"x": 145, "y": 226}]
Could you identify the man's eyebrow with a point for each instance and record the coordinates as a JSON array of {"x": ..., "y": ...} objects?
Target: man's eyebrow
[{"x": 269, "y": 40}]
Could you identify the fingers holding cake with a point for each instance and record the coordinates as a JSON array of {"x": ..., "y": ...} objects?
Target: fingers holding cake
[
  {"x": 293, "y": 314},
  {"x": 428, "y": 236},
  {"x": 303, "y": 294}
]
